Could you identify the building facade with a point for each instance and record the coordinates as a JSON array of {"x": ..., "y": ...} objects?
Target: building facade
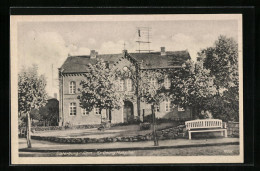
[{"x": 71, "y": 73}]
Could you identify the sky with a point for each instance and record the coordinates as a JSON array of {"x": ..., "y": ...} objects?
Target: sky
[{"x": 48, "y": 44}]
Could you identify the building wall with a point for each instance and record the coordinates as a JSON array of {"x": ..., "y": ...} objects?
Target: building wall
[
  {"x": 117, "y": 115},
  {"x": 68, "y": 98},
  {"x": 79, "y": 119},
  {"x": 162, "y": 113}
]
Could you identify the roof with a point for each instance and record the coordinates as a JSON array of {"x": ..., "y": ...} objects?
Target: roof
[
  {"x": 153, "y": 60},
  {"x": 78, "y": 64}
]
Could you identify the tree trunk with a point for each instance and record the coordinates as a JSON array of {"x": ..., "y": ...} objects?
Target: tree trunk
[
  {"x": 138, "y": 107},
  {"x": 137, "y": 93},
  {"x": 100, "y": 115},
  {"x": 154, "y": 128},
  {"x": 29, "y": 144},
  {"x": 143, "y": 114}
]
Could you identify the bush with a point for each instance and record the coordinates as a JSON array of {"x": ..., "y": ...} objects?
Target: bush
[
  {"x": 68, "y": 125},
  {"x": 148, "y": 118},
  {"x": 145, "y": 126}
]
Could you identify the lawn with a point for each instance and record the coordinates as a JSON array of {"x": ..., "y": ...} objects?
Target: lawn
[{"x": 117, "y": 131}]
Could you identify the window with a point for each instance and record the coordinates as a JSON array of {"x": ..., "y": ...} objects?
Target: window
[
  {"x": 121, "y": 85},
  {"x": 167, "y": 83},
  {"x": 72, "y": 87},
  {"x": 73, "y": 109},
  {"x": 84, "y": 111},
  {"x": 97, "y": 111},
  {"x": 157, "y": 108},
  {"x": 168, "y": 105},
  {"x": 180, "y": 109},
  {"x": 153, "y": 81},
  {"x": 129, "y": 85}
]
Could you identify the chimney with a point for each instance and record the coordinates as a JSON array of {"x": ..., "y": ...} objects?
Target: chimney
[
  {"x": 163, "y": 53},
  {"x": 93, "y": 54},
  {"x": 124, "y": 52}
]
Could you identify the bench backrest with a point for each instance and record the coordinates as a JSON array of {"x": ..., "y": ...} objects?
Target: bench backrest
[{"x": 203, "y": 123}]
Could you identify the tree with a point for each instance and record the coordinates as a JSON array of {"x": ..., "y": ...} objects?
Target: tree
[
  {"x": 222, "y": 61},
  {"x": 35, "y": 115},
  {"x": 191, "y": 86},
  {"x": 224, "y": 106},
  {"x": 31, "y": 94},
  {"x": 50, "y": 112},
  {"x": 99, "y": 88},
  {"x": 152, "y": 91}
]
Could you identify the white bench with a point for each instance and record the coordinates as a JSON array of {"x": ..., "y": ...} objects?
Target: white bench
[{"x": 205, "y": 125}]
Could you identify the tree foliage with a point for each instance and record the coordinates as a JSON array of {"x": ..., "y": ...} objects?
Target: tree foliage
[
  {"x": 98, "y": 88},
  {"x": 31, "y": 94},
  {"x": 35, "y": 114},
  {"x": 50, "y": 112},
  {"x": 191, "y": 85},
  {"x": 31, "y": 90},
  {"x": 222, "y": 61},
  {"x": 151, "y": 86}
]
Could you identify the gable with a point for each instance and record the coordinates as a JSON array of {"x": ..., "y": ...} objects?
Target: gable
[{"x": 123, "y": 62}]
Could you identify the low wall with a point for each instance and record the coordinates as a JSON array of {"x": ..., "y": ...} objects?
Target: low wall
[{"x": 233, "y": 129}]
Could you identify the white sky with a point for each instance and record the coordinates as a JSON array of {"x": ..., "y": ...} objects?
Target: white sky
[{"x": 47, "y": 43}]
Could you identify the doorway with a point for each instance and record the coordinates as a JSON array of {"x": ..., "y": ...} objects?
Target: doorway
[{"x": 128, "y": 111}]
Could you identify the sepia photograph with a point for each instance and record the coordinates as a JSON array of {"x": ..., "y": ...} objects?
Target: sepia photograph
[{"x": 126, "y": 89}]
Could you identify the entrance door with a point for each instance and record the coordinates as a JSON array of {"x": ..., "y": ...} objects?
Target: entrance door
[
  {"x": 128, "y": 111},
  {"x": 109, "y": 115}
]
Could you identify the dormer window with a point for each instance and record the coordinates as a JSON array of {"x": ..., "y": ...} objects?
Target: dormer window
[{"x": 72, "y": 89}]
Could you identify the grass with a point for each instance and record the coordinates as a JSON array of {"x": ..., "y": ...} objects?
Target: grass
[{"x": 128, "y": 130}]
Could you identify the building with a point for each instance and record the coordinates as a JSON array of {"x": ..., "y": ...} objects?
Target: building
[{"x": 70, "y": 75}]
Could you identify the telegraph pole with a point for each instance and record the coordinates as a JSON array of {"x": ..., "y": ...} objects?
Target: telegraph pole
[
  {"x": 154, "y": 129},
  {"x": 124, "y": 45}
]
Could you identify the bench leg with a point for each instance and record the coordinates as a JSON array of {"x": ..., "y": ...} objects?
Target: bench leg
[
  {"x": 189, "y": 135},
  {"x": 225, "y": 133}
]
